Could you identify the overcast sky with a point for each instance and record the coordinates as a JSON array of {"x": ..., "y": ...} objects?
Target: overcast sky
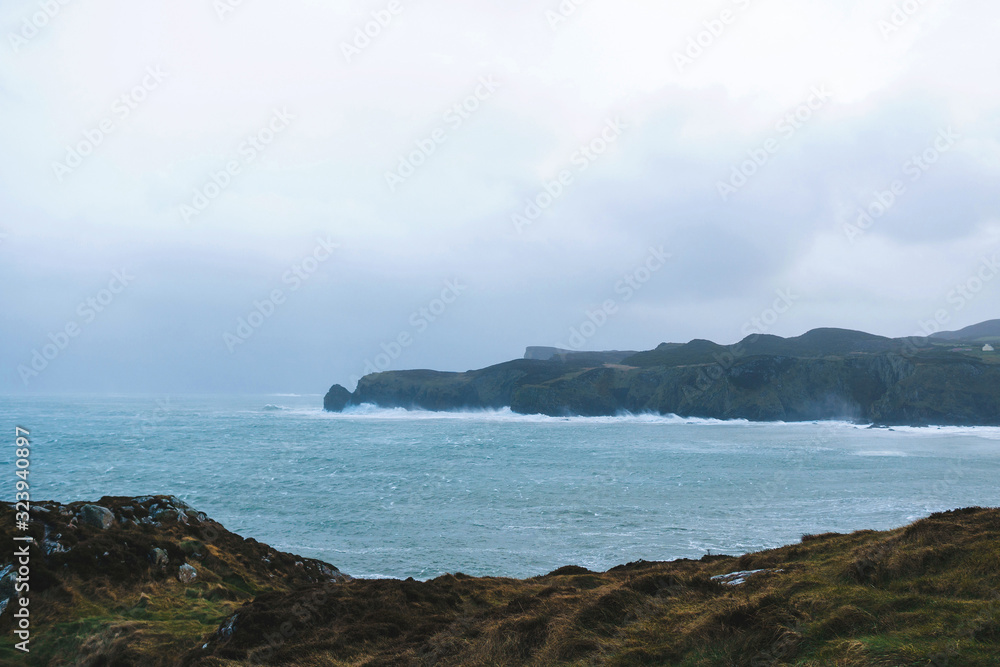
[{"x": 169, "y": 169}]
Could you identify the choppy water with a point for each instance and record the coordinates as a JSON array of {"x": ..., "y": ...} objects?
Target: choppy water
[{"x": 396, "y": 493}]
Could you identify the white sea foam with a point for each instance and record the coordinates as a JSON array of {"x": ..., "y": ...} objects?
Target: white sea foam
[{"x": 370, "y": 411}]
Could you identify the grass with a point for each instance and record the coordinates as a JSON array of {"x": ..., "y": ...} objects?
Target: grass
[
  {"x": 920, "y": 595},
  {"x": 924, "y": 595}
]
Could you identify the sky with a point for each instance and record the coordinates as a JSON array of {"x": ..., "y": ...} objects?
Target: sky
[{"x": 238, "y": 196}]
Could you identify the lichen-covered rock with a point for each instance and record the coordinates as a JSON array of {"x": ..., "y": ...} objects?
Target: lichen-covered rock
[
  {"x": 186, "y": 574},
  {"x": 96, "y": 516},
  {"x": 160, "y": 557}
]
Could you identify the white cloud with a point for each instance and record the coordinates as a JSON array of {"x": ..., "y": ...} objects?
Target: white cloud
[{"x": 687, "y": 129}]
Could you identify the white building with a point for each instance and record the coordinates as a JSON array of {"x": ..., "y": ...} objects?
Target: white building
[{"x": 987, "y": 348}]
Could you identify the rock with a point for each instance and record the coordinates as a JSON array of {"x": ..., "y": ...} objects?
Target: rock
[
  {"x": 228, "y": 628},
  {"x": 166, "y": 514},
  {"x": 738, "y": 578},
  {"x": 336, "y": 399},
  {"x": 179, "y": 504},
  {"x": 160, "y": 557},
  {"x": 186, "y": 574},
  {"x": 96, "y": 516},
  {"x": 7, "y": 577},
  {"x": 50, "y": 547}
]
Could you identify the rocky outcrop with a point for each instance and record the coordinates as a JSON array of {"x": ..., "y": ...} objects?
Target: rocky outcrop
[{"x": 336, "y": 399}]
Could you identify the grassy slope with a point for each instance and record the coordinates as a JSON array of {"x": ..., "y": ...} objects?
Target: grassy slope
[
  {"x": 926, "y": 594},
  {"x": 921, "y": 595}
]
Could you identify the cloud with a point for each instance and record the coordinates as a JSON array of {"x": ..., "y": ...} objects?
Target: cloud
[{"x": 688, "y": 128}]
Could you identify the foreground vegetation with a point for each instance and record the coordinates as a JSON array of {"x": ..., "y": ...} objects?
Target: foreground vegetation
[{"x": 926, "y": 594}]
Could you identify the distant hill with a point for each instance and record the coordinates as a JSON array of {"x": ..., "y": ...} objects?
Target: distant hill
[
  {"x": 984, "y": 331},
  {"x": 822, "y": 374},
  {"x": 817, "y": 343}
]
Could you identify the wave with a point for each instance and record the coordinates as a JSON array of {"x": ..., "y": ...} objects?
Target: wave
[
  {"x": 988, "y": 432},
  {"x": 375, "y": 412},
  {"x": 371, "y": 411}
]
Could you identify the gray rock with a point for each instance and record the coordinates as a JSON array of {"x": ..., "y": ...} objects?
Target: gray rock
[
  {"x": 96, "y": 516},
  {"x": 7, "y": 577},
  {"x": 187, "y": 574},
  {"x": 53, "y": 547},
  {"x": 166, "y": 514},
  {"x": 180, "y": 504},
  {"x": 160, "y": 557}
]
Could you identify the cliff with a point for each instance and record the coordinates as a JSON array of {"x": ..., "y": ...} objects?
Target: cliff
[{"x": 824, "y": 374}]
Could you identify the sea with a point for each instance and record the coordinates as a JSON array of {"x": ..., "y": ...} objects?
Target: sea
[{"x": 394, "y": 493}]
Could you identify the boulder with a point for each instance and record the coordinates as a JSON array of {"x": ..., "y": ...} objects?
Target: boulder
[
  {"x": 186, "y": 574},
  {"x": 96, "y": 516},
  {"x": 160, "y": 557}
]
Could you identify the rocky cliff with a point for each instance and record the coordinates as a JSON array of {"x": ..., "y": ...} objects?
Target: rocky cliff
[{"x": 824, "y": 374}]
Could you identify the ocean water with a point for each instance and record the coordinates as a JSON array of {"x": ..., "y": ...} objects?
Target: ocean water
[{"x": 392, "y": 493}]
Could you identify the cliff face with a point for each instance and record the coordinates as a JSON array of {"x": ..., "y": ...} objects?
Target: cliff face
[{"x": 825, "y": 374}]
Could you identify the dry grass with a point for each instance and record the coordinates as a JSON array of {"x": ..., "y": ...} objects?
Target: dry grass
[{"x": 925, "y": 594}]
